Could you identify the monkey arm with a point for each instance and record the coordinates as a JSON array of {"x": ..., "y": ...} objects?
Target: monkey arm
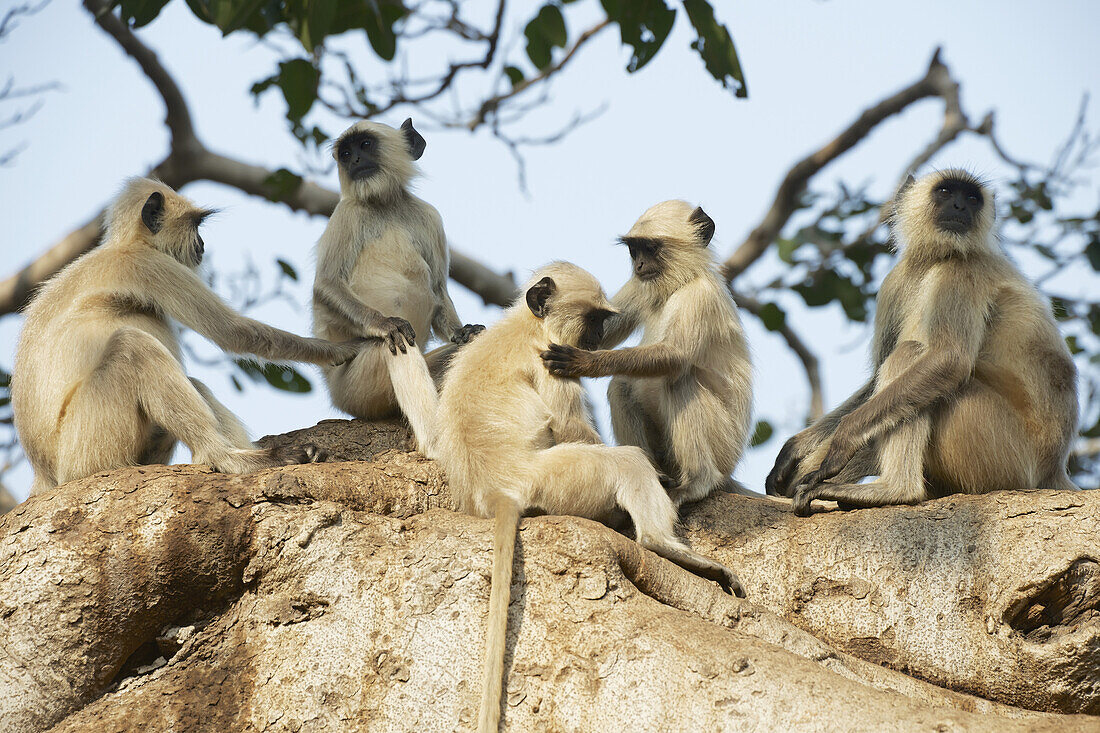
[
  {"x": 654, "y": 360},
  {"x": 788, "y": 464},
  {"x": 162, "y": 283},
  {"x": 917, "y": 374}
]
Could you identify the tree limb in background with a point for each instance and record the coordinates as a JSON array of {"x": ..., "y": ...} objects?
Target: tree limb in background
[
  {"x": 936, "y": 82},
  {"x": 190, "y": 160}
]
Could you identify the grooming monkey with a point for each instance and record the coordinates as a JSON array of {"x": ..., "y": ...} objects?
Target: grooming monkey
[
  {"x": 514, "y": 439},
  {"x": 684, "y": 394},
  {"x": 973, "y": 387},
  {"x": 382, "y": 267},
  {"x": 98, "y": 382}
]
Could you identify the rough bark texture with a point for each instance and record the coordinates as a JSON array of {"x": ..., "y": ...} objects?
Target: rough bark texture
[{"x": 345, "y": 596}]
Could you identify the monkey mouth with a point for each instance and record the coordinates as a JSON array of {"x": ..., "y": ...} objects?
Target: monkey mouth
[
  {"x": 362, "y": 172},
  {"x": 955, "y": 226}
]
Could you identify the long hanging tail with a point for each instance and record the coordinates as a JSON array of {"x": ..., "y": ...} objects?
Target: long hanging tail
[
  {"x": 492, "y": 684},
  {"x": 416, "y": 396}
]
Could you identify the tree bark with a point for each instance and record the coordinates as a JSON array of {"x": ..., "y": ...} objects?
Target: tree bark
[{"x": 345, "y": 596}]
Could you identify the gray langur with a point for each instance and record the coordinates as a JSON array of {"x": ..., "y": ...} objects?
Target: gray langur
[
  {"x": 973, "y": 388},
  {"x": 684, "y": 394},
  {"x": 382, "y": 268},
  {"x": 515, "y": 439},
  {"x": 98, "y": 382}
]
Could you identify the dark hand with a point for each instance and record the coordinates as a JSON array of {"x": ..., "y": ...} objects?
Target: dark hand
[
  {"x": 396, "y": 332},
  {"x": 778, "y": 481},
  {"x": 841, "y": 450},
  {"x": 467, "y": 332},
  {"x": 566, "y": 361},
  {"x": 348, "y": 350}
]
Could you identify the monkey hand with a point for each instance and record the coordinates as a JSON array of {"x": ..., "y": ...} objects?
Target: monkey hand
[
  {"x": 467, "y": 332},
  {"x": 567, "y": 361},
  {"x": 348, "y": 350},
  {"x": 395, "y": 333},
  {"x": 778, "y": 481},
  {"x": 841, "y": 450}
]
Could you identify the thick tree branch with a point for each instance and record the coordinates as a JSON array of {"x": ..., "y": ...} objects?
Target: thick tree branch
[{"x": 936, "y": 82}]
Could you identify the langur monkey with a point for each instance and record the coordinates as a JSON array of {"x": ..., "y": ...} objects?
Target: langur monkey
[
  {"x": 98, "y": 382},
  {"x": 514, "y": 439},
  {"x": 684, "y": 395},
  {"x": 382, "y": 268},
  {"x": 973, "y": 387}
]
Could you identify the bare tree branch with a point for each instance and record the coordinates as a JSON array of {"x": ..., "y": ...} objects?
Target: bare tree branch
[
  {"x": 937, "y": 81},
  {"x": 178, "y": 117}
]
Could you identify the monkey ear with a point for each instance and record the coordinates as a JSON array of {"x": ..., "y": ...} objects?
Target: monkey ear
[
  {"x": 414, "y": 141},
  {"x": 704, "y": 224},
  {"x": 151, "y": 213},
  {"x": 538, "y": 294}
]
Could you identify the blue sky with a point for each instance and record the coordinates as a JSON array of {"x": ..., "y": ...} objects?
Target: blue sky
[{"x": 668, "y": 132}]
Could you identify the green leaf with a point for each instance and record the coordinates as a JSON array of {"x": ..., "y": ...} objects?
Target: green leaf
[
  {"x": 773, "y": 317},
  {"x": 317, "y": 22},
  {"x": 279, "y": 376},
  {"x": 1071, "y": 342},
  {"x": 381, "y": 16},
  {"x": 545, "y": 32},
  {"x": 298, "y": 79},
  {"x": 785, "y": 248},
  {"x": 281, "y": 184},
  {"x": 715, "y": 46},
  {"x": 141, "y": 12},
  {"x": 287, "y": 269},
  {"x": 1092, "y": 252},
  {"x": 644, "y": 25},
  {"x": 514, "y": 75},
  {"x": 761, "y": 434}
]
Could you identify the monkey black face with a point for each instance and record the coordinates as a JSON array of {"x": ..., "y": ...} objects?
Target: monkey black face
[
  {"x": 645, "y": 253},
  {"x": 593, "y": 329},
  {"x": 358, "y": 154},
  {"x": 957, "y": 204}
]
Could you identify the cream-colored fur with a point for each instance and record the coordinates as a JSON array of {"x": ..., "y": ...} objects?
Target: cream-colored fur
[
  {"x": 382, "y": 266},
  {"x": 514, "y": 439},
  {"x": 974, "y": 388},
  {"x": 98, "y": 382}
]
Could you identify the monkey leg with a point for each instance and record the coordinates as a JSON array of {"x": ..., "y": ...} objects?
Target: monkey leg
[
  {"x": 591, "y": 480},
  {"x": 159, "y": 446},
  {"x": 628, "y": 418},
  {"x": 136, "y": 383},
  {"x": 361, "y": 387},
  {"x": 901, "y": 458},
  {"x": 228, "y": 423},
  {"x": 705, "y": 442},
  {"x": 901, "y": 479},
  {"x": 981, "y": 443}
]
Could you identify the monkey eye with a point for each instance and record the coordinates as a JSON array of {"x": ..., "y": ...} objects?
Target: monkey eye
[
  {"x": 942, "y": 189},
  {"x": 972, "y": 199},
  {"x": 345, "y": 153},
  {"x": 365, "y": 144}
]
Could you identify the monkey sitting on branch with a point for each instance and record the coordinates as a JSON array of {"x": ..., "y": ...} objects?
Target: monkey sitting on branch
[
  {"x": 515, "y": 439},
  {"x": 98, "y": 383},
  {"x": 684, "y": 394},
  {"x": 973, "y": 388},
  {"x": 382, "y": 268}
]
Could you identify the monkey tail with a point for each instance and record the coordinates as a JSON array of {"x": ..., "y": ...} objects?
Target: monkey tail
[
  {"x": 416, "y": 396},
  {"x": 504, "y": 545}
]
